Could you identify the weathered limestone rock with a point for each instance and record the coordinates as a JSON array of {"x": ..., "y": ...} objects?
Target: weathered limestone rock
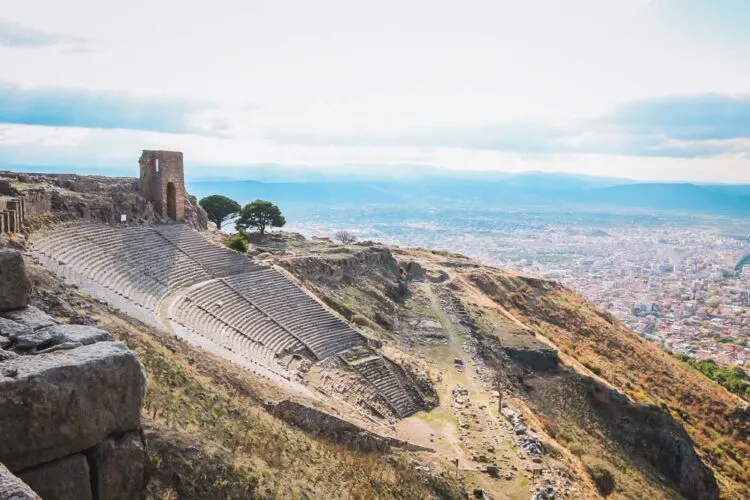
[
  {"x": 75, "y": 333},
  {"x": 12, "y": 488},
  {"x": 30, "y": 316},
  {"x": 36, "y": 332},
  {"x": 118, "y": 468},
  {"x": 9, "y": 328},
  {"x": 15, "y": 286},
  {"x": 31, "y": 339},
  {"x": 66, "y": 479},
  {"x": 414, "y": 271},
  {"x": 6, "y": 355},
  {"x": 60, "y": 347},
  {"x": 64, "y": 402}
]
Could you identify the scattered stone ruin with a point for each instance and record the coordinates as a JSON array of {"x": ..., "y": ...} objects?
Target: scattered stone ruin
[
  {"x": 70, "y": 403},
  {"x": 157, "y": 196},
  {"x": 15, "y": 209},
  {"x": 163, "y": 182}
]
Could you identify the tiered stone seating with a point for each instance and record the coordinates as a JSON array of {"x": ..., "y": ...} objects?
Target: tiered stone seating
[
  {"x": 249, "y": 354},
  {"x": 375, "y": 369},
  {"x": 104, "y": 267},
  {"x": 245, "y": 308},
  {"x": 320, "y": 331},
  {"x": 192, "y": 316},
  {"x": 215, "y": 302},
  {"x": 219, "y": 261}
]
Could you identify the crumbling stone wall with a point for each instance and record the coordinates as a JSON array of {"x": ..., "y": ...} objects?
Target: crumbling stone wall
[
  {"x": 163, "y": 182},
  {"x": 70, "y": 402},
  {"x": 11, "y": 214}
]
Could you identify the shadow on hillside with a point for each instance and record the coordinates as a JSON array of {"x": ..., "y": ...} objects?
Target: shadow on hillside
[{"x": 639, "y": 432}]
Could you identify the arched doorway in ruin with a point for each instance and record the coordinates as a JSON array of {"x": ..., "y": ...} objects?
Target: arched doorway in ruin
[{"x": 171, "y": 201}]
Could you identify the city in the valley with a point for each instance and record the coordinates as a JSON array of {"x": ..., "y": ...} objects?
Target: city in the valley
[{"x": 674, "y": 278}]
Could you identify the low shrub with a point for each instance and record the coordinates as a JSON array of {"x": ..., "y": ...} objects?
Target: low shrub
[
  {"x": 237, "y": 243},
  {"x": 594, "y": 368},
  {"x": 603, "y": 480}
]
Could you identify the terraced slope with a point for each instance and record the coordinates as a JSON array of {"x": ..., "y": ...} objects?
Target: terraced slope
[{"x": 247, "y": 308}]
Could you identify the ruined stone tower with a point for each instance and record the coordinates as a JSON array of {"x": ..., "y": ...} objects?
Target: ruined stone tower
[{"x": 163, "y": 182}]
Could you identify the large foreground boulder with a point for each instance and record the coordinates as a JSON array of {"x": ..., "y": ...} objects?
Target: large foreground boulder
[
  {"x": 15, "y": 287},
  {"x": 57, "y": 404}
]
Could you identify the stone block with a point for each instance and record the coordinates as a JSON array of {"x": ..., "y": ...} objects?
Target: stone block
[
  {"x": 10, "y": 328},
  {"x": 12, "y": 488},
  {"x": 66, "y": 479},
  {"x": 15, "y": 286},
  {"x": 118, "y": 468},
  {"x": 75, "y": 333},
  {"x": 61, "y": 403},
  {"x": 29, "y": 316},
  {"x": 5, "y": 188}
]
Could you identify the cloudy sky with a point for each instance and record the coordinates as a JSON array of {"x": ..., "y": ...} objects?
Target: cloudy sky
[{"x": 650, "y": 89}]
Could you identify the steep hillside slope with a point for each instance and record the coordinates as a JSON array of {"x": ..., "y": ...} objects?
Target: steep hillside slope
[
  {"x": 618, "y": 414},
  {"x": 208, "y": 432},
  {"x": 717, "y": 421}
]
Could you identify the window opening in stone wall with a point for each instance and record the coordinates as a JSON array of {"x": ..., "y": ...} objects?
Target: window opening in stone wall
[
  {"x": 171, "y": 201},
  {"x": 156, "y": 162}
]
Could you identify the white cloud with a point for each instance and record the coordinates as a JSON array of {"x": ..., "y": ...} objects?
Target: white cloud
[{"x": 335, "y": 66}]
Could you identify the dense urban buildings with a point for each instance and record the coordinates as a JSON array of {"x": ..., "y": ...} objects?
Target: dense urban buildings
[{"x": 671, "y": 278}]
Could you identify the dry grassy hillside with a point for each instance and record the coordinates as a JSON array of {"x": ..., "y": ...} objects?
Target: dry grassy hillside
[
  {"x": 208, "y": 433},
  {"x": 635, "y": 420},
  {"x": 717, "y": 421}
]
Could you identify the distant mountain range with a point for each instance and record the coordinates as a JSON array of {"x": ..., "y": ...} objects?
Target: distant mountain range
[
  {"x": 425, "y": 185},
  {"x": 523, "y": 190}
]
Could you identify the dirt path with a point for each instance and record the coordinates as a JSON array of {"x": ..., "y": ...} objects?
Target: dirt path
[{"x": 471, "y": 431}]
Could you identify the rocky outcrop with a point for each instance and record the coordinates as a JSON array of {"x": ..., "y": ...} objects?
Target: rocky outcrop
[
  {"x": 413, "y": 271},
  {"x": 538, "y": 357},
  {"x": 12, "y": 488},
  {"x": 70, "y": 407},
  {"x": 346, "y": 264},
  {"x": 15, "y": 287},
  {"x": 99, "y": 198}
]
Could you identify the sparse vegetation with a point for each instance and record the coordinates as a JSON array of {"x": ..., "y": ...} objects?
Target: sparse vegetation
[
  {"x": 603, "y": 479},
  {"x": 345, "y": 237},
  {"x": 238, "y": 243},
  {"x": 734, "y": 378},
  {"x": 597, "y": 370},
  {"x": 638, "y": 368}
]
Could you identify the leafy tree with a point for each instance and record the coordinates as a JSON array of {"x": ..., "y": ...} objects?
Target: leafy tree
[
  {"x": 345, "y": 237},
  {"x": 219, "y": 208},
  {"x": 260, "y": 214}
]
